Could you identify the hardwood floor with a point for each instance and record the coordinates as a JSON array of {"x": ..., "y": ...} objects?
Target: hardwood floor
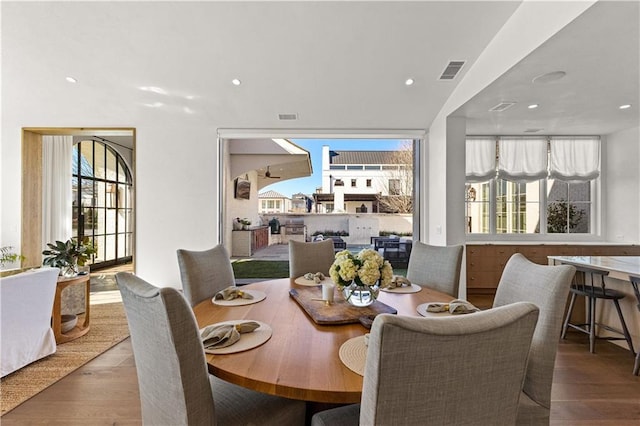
[{"x": 588, "y": 389}]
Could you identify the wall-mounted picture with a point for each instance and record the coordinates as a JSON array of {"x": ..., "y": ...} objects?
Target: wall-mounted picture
[{"x": 242, "y": 188}]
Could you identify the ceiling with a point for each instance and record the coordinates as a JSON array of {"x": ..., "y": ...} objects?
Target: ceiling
[
  {"x": 336, "y": 65},
  {"x": 600, "y": 54}
]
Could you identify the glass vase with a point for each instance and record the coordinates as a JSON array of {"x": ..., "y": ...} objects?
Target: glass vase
[{"x": 360, "y": 295}]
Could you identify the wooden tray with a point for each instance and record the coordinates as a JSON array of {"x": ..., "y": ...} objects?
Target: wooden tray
[{"x": 339, "y": 312}]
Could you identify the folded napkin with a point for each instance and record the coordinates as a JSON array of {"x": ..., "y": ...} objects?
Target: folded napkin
[
  {"x": 457, "y": 306},
  {"x": 317, "y": 277},
  {"x": 231, "y": 293},
  {"x": 399, "y": 281},
  {"x": 223, "y": 335}
]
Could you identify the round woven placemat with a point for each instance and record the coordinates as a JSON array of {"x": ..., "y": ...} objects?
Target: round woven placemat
[{"x": 353, "y": 354}]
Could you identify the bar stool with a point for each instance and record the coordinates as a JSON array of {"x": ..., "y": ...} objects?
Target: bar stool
[
  {"x": 593, "y": 292},
  {"x": 635, "y": 281}
]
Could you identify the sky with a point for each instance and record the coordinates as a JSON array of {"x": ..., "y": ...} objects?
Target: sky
[{"x": 309, "y": 184}]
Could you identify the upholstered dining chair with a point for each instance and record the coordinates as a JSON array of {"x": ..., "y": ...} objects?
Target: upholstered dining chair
[
  {"x": 548, "y": 288},
  {"x": 436, "y": 267},
  {"x": 635, "y": 283},
  {"x": 310, "y": 257},
  {"x": 204, "y": 273},
  {"x": 175, "y": 387},
  {"x": 437, "y": 371}
]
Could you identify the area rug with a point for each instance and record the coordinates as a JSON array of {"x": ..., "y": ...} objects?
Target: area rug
[{"x": 108, "y": 327}]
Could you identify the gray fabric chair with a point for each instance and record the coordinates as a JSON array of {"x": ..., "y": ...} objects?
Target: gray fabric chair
[
  {"x": 435, "y": 371},
  {"x": 310, "y": 257},
  {"x": 436, "y": 267},
  {"x": 204, "y": 273},
  {"x": 548, "y": 288},
  {"x": 175, "y": 387}
]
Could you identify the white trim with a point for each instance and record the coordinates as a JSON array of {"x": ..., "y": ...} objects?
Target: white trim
[{"x": 322, "y": 133}]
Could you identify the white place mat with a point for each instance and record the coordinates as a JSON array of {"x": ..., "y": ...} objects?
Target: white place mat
[
  {"x": 247, "y": 340},
  {"x": 258, "y": 296},
  {"x": 353, "y": 354},
  {"x": 311, "y": 283},
  {"x": 405, "y": 290}
]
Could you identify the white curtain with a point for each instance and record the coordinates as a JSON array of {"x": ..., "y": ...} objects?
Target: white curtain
[
  {"x": 522, "y": 159},
  {"x": 575, "y": 159},
  {"x": 56, "y": 188},
  {"x": 480, "y": 159}
]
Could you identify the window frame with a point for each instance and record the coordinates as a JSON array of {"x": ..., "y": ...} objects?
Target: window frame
[{"x": 596, "y": 214}]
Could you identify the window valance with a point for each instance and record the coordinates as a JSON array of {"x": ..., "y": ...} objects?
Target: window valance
[
  {"x": 522, "y": 159},
  {"x": 574, "y": 159},
  {"x": 480, "y": 159}
]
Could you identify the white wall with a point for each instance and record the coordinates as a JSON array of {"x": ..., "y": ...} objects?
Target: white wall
[
  {"x": 621, "y": 186},
  {"x": 531, "y": 25}
]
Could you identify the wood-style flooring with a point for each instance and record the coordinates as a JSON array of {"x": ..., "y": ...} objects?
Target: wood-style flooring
[{"x": 588, "y": 389}]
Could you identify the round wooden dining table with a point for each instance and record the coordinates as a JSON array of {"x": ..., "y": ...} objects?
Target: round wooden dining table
[{"x": 300, "y": 360}]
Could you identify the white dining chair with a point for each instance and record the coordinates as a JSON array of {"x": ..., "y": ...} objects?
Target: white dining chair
[
  {"x": 204, "y": 273},
  {"x": 465, "y": 369},
  {"x": 175, "y": 386},
  {"x": 548, "y": 288}
]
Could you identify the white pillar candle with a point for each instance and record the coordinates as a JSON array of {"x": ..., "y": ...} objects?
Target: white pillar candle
[{"x": 327, "y": 292}]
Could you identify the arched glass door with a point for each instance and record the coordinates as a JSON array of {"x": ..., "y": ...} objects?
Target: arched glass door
[{"x": 102, "y": 202}]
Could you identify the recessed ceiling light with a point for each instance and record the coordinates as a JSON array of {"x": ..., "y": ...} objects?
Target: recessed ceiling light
[
  {"x": 533, "y": 106},
  {"x": 71, "y": 80},
  {"x": 625, "y": 106},
  {"x": 236, "y": 82},
  {"x": 549, "y": 77},
  {"x": 409, "y": 82}
]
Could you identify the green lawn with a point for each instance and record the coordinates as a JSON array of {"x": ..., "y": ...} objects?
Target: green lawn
[{"x": 248, "y": 268}]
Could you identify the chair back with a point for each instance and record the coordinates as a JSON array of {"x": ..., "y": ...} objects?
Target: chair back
[
  {"x": 465, "y": 369},
  {"x": 436, "y": 267},
  {"x": 170, "y": 361},
  {"x": 547, "y": 287},
  {"x": 204, "y": 273},
  {"x": 310, "y": 257}
]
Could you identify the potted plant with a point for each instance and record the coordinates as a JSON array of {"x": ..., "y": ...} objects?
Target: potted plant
[{"x": 68, "y": 255}]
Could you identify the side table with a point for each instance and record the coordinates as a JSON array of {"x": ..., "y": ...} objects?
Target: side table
[{"x": 56, "y": 315}]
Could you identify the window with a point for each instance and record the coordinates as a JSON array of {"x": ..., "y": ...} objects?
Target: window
[
  {"x": 353, "y": 183},
  {"x": 394, "y": 187},
  {"x": 368, "y": 183},
  {"x": 568, "y": 207},
  {"x": 538, "y": 186},
  {"x": 102, "y": 201}
]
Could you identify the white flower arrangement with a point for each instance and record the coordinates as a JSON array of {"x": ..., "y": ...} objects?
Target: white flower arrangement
[{"x": 368, "y": 268}]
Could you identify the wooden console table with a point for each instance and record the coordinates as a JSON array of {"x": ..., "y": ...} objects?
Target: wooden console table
[{"x": 56, "y": 315}]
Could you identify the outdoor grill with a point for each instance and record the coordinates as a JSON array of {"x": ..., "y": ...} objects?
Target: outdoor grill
[{"x": 294, "y": 230}]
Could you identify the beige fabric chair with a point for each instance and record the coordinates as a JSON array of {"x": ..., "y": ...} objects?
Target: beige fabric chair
[
  {"x": 442, "y": 371},
  {"x": 175, "y": 387},
  {"x": 548, "y": 288},
  {"x": 204, "y": 273},
  {"x": 436, "y": 267},
  {"x": 310, "y": 257}
]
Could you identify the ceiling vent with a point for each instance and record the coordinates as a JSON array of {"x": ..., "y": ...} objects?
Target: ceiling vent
[
  {"x": 533, "y": 130},
  {"x": 502, "y": 106},
  {"x": 452, "y": 69},
  {"x": 287, "y": 116}
]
